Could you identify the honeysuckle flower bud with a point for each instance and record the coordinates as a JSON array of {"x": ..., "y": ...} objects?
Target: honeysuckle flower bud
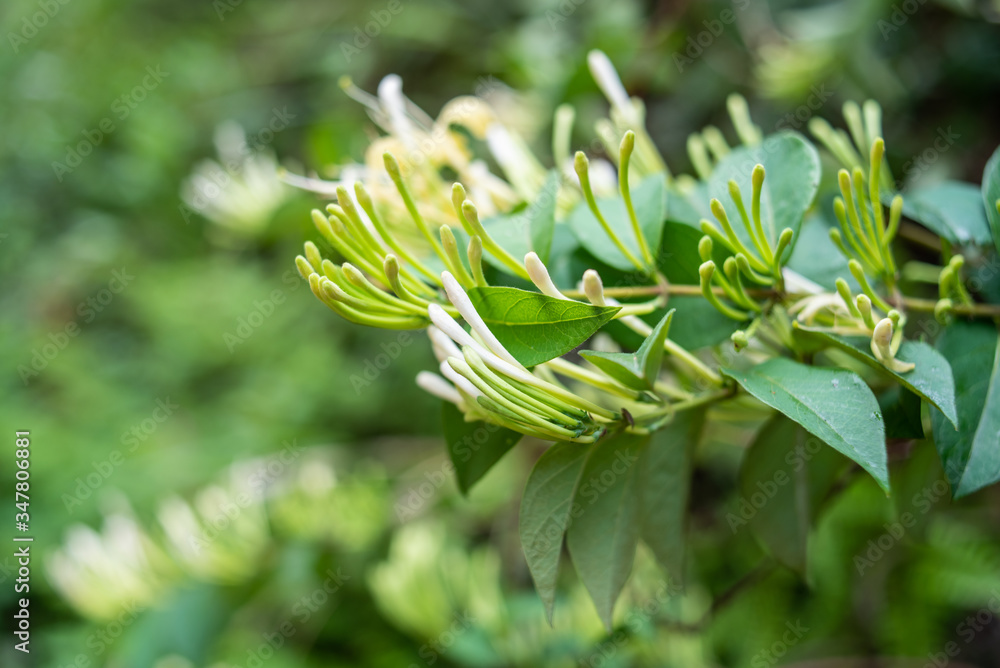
[
  {"x": 460, "y": 382},
  {"x": 740, "y": 340},
  {"x": 540, "y": 276},
  {"x": 475, "y": 254},
  {"x": 520, "y": 167},
  {"x": 593, "y": 287},
  {"x": 390, "y": 94},
  {"x": 444, "y": 346},
  {"x": 882, "y": 347},
  {"x": 809, "y": 309},
  {"x": 942, "y": 309},
  {"x": 608, "y": 81},
  {"x": 461, "y": 301},
  {"x": 439, "y": 387},
  {"x": 864, "y": 305},
  {"x": 313, "y": 256}
]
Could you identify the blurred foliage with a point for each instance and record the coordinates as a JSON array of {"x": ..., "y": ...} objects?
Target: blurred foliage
[{"x": 157, "y": 358}]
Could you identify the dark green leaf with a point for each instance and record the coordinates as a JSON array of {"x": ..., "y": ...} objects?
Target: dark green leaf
[
  {"x": 791, "y": 179},
  {"x": 991, "y": 194},
  {"x": 605, "y": 528},
  {"x": 697, "y": 323},
  {"x": 901, "y": 413},
  {"x": 527, "y": 229},
  {"x": 783, "y": 481},
  {"x": 931, "y": 377},
  {"x": 952, "y": 210},
  {"x": 834, "y": 405},
  {"x": 474, "y": 447},
  {"x": 664, "y": 483},
  {"x": 545, "y": 514},
  {"x": 688, "y": 206},
  {"x": 971, "y": 455},
  {"x": 637, "y": 370},
  {"x": 678, "y": 258},
  {"x": 649, "y": 200},
  {"x": 535, "y": 327}
]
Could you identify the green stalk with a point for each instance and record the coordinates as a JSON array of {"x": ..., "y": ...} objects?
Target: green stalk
[
  {"x": 625, "y": 153},
  {"x": 582, "y": 167}
]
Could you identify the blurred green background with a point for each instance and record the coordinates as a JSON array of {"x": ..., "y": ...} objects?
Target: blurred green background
[{"x": 177, "y": 376}]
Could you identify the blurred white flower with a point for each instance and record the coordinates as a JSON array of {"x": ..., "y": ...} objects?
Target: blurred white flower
[
  {"x": 102, "y": 574},
  {"x": 242, "y": 190}
]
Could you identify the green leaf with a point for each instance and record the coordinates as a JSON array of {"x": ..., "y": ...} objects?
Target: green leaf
[
  {"x": 637, "y": 370},
  {"x": 678, "y": 258},
  {"x": 606, "y": 513},
  {"x": 901, "y": 413},
  {"x": 991, "y": 194},
  {"x": 931, "y": 378},
  {"x": 834, "y": 405},
  {"x": 792, "y": 172},
  {"x": 545, "y": 514},
  {"x": 474, "y": 447},
  {"x": 952, "y": 210},
  {"x": 649, "y": 200},
  {"x": 783, "y": 480},
  {"x": 689, "y": 205},
  {"x": 664, "y": 483},
  {"x": 971, "y": 455},
  {"x": 534, "y": 327},
  {"x": 527, "y": 229},
  {"x": 698, "y": 324}
]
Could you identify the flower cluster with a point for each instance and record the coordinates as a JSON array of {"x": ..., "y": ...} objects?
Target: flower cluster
[{"x": 414, "y": 245}]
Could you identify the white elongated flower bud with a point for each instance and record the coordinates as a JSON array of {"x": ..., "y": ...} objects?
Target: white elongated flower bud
[
  {"x": 882, "y": 347},
  {"x": 461, "y": 301},
  {"x": 444, "y": 347},
  {"x": 540, "y": 276},
  {"x": 390, "y": 93},
  {"x": 593, "y": 287},
  {"x": 438, "y": 386},
  {"x": 610, "y": 83},
  {"x": 460, "y": 381}
]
